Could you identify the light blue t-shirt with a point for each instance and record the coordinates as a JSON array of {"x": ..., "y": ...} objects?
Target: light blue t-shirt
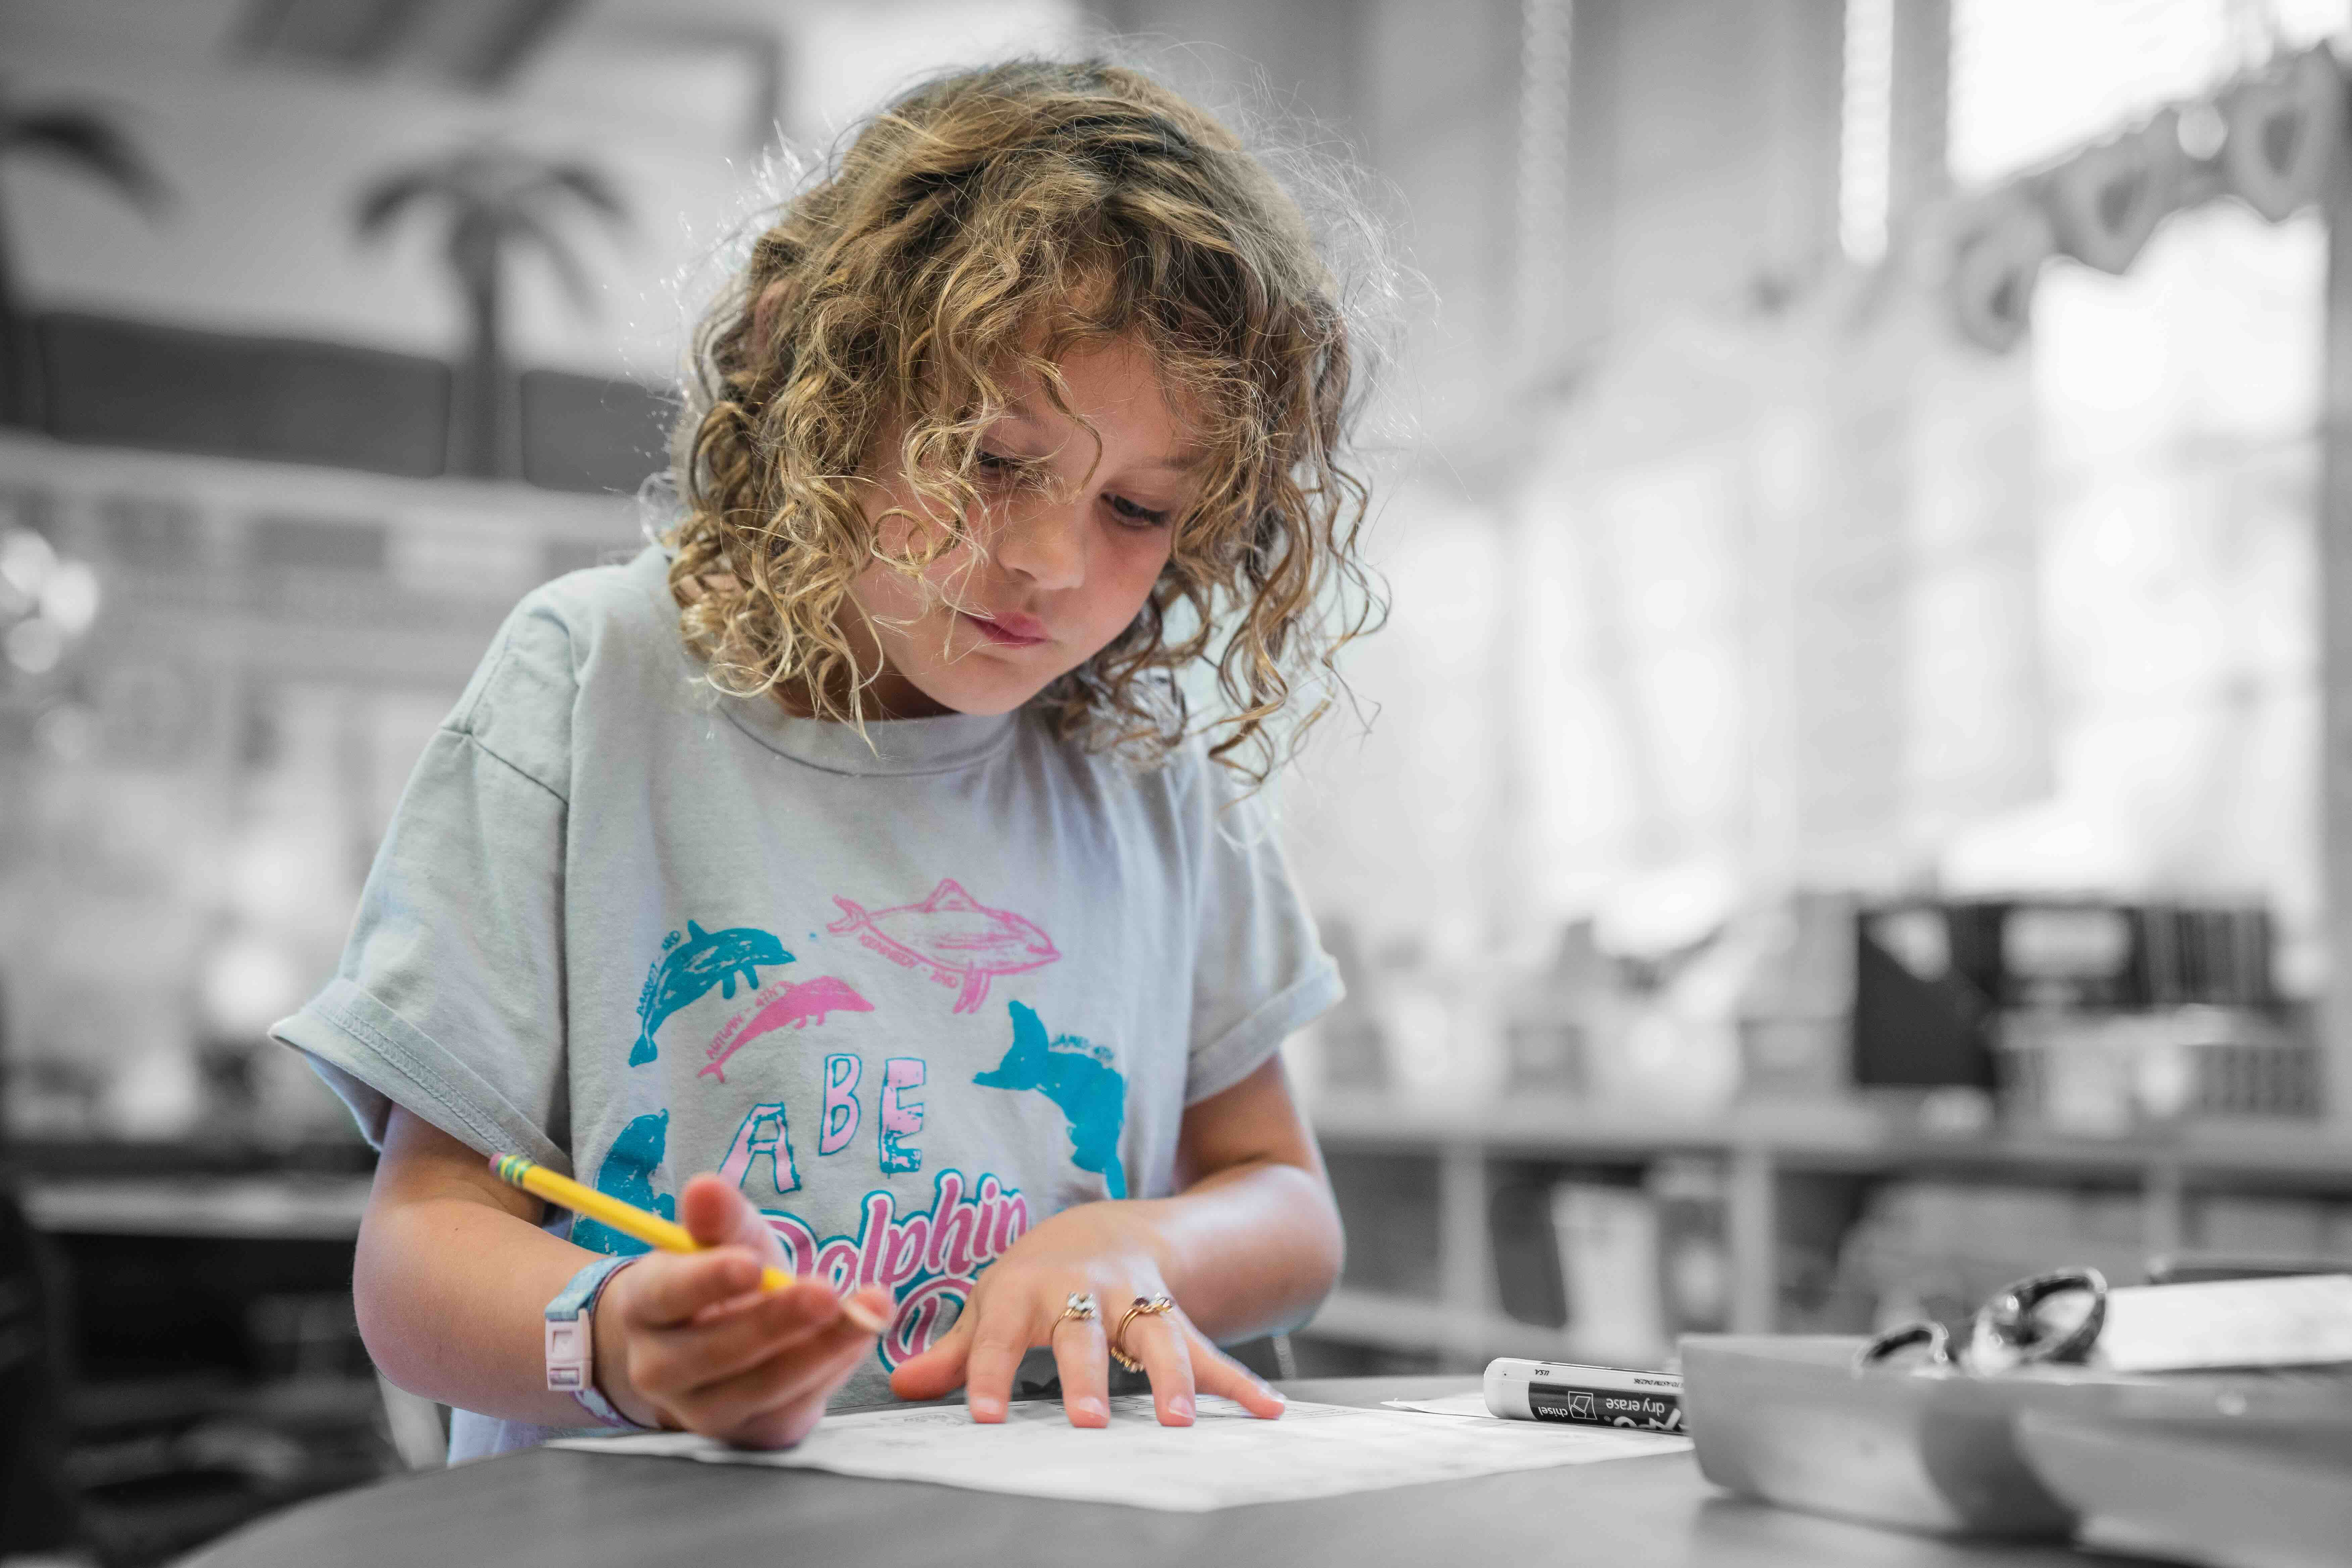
[{"x": 913, "y": 998}]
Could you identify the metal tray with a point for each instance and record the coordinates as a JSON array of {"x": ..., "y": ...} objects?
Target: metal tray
[
  {"x": 1787, "y": 1420},
  {"x": 2265, "y": 1482}
]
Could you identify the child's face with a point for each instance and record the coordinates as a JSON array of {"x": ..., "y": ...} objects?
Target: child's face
[{"x": 1066, "y": 559}]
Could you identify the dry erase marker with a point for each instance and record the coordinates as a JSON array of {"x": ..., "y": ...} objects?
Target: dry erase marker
[{"x": 1584, "y": 1395}]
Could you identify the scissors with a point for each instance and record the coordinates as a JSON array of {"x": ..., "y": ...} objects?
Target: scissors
[{"x": 2012, "y": 1329}]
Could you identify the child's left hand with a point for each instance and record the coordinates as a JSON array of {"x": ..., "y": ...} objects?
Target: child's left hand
[{"x": 1103, "y": 1249}]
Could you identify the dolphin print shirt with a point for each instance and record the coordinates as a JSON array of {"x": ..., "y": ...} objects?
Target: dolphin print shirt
[{"x": 913, "y": 997}]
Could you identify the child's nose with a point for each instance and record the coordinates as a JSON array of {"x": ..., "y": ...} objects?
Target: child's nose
[{"x": 1045, "y": 543}]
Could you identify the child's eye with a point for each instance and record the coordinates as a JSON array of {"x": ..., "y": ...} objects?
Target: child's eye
[
  {"x": 1138, "y": 517},
  {"x": 999, "y": 465}
]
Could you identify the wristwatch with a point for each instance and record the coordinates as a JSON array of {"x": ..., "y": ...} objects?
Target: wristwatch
[{"x": 572, "y": 1342}]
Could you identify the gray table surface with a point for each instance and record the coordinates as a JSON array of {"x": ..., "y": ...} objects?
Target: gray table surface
[{"x": 568, "y": 1509}]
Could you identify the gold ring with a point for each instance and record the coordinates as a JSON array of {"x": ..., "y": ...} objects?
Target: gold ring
[
  {"x": 1079, "y": 1308},
  {"x": 1144, "y": 1307}
]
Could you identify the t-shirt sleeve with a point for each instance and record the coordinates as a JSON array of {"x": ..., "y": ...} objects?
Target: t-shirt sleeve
[
  {"x": 1261, "y": 972},
  {"x": 449, "y": 1000}
]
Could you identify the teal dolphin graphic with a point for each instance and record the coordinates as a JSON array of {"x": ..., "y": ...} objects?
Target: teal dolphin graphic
[
  {"x": 1079, "y": 1079},
  {"x": 686, "y": 973},
  {"x": 627, "y": 1173}
]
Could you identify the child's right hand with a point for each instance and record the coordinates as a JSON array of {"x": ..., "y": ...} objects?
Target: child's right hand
[{"x": 690, "y": 1341}]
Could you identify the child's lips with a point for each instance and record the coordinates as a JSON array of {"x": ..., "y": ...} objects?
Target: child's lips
[{"x": 1007, "y": 630}]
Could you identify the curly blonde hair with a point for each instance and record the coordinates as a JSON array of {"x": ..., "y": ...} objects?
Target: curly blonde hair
[{"x": 972, "y": 233}]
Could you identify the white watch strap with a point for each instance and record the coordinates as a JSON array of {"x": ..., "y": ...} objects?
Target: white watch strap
[{"x": 572, "y": 1342}]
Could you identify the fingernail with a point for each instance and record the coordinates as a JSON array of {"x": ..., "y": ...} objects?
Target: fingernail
[
  {"x": 1272, "y": 1392},
  {"x": 987, "y": 1410},
  {"x": 1181, "y": 1405},
  {"x": 1091, "y": 1407}
]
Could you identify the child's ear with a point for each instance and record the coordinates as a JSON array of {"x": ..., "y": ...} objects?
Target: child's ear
[{"x": 765, "y": 312}]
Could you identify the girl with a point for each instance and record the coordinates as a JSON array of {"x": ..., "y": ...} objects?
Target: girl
[{"x": 849, "y": 846}]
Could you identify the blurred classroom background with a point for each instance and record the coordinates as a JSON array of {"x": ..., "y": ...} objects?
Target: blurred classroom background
[{"x": 1845, "y": 820}]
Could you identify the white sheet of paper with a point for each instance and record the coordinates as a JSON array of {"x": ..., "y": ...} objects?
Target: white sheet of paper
[
  {"x": 1225, "y": 1459},
  {"x": 2300, "y": 1320},
  {"x": 1451, "y": 1404}
]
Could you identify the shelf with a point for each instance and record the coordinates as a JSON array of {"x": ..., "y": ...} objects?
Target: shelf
[
  {"x": 1860, "y": 1138},
  {"x": 1539, "y": 1124},
  {"x": 1758, "y": 1144},
  {"x": 54, "y": 1155},
  {"x": 317, "y": 1208}
]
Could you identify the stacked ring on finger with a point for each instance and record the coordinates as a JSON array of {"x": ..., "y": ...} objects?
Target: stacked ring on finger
[
  {"x": 1144, "y": 1307},
  {"x": 1080, "y": 1308}
]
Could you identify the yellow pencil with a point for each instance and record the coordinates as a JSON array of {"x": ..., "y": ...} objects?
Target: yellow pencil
[{"x": 631, "y": 1220}]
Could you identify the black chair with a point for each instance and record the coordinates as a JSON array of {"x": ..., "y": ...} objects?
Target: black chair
[
  {"x": 39, "y": 1508},
  {"x": 39, "y": 1512}
]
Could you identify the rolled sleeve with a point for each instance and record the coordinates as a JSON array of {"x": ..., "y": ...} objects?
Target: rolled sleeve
[
  {"x": 1261, "y": 973},
  {"x": 375, "y": 1059}
]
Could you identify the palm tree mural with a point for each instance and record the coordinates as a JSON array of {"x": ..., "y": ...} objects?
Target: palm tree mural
[
  {"x": 84, "y": 141},
  {"x": 494, "y": 201}
]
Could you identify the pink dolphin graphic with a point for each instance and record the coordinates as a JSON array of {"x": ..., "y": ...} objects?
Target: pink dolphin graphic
[
  {"x": 962, "y": 940},
  {"x": 799, "y": 1006}
]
